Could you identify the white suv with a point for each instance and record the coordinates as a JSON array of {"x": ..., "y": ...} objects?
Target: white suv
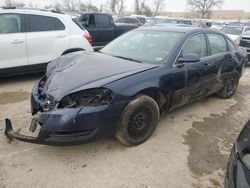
[{"x": 29, "y": 39}]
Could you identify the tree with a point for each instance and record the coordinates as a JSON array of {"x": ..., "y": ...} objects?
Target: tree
[
  {"x": 70, "y": 5},
  {"x": 117, "y": 6},
  {"x": 140, "y": 6},
  {"x": 204, "y": 6},
  {"x": 158, "y": 6},
  {"x": 13, "y": 3}
]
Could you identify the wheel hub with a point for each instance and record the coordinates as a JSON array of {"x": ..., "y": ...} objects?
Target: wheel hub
[{"x": 139, "y": 122}]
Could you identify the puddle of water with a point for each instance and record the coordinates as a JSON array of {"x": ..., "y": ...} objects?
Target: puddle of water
[{"x": 13, "y": 97}]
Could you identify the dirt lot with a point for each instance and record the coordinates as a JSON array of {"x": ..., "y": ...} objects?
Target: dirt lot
[{"x": 189, "y": 148}]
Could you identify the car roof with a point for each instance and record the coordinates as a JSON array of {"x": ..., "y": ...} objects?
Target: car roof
[
  {"x": 103, "y": 13},
  {"x": 176, "y": 28},
  {"x": 31, "y": 11}
]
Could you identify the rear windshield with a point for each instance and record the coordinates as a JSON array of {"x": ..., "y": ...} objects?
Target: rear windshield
[{"x": 75, "y": 20}]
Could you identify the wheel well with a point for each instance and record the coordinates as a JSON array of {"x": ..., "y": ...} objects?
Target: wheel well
[
  {"x": 72, "y": 50},
  {"x": 157, "y": 95}
]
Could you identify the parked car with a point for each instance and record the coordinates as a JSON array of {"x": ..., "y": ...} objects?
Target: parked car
[
  {"x": 238, "y": 167},
  {"x": 160, "y": 21},
  {"x": 102, "y": 28},
  {"x": 129, "y": 20},
  {"x": 234, "y": 32},
  {"x": 142, "y": 18},
  {"x": 218, "y": 25},
  {"x": 122, "y": 89},
  {"x": 184, "y": 21},
  {"x": 245, "y": 42},
  {"x": 32, "y": 38}
]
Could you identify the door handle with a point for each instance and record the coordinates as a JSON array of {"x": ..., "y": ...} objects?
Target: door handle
[
  {"x": 17, "y": 41},
  {"x": 206, "y": 64}
]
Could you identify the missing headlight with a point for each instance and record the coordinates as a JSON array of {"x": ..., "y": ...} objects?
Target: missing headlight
[{"x": 90, "y": 97}]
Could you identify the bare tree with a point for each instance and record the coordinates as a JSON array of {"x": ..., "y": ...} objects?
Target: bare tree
[
  {"x": 70, "y": 5},
  {"x": 204, "y": 6},
  {"x": 140, "y": 6},
  {"x": 117, "y": 6},
  {"x": 159, "y": 5},
  {"x": 13, "y": 3},
  {"x": 58, "y": 7}
]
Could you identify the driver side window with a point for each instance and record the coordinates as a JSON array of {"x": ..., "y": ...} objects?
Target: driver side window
[{"x": 196, "y": 45}]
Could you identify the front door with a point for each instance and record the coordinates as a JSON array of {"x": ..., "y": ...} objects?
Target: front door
[{"x": 196, "y": 74}]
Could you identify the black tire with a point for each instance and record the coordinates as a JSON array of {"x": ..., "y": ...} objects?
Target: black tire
[
  {"x": 138, "y": 121},
  {"x": 230, "y": 86}
]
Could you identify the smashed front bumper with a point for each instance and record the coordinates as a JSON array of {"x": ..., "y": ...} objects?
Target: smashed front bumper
[
  {"x": 57, "y": 138},
  {"x": 68, "y": 126},
  {"x": 12, "y": 134}
]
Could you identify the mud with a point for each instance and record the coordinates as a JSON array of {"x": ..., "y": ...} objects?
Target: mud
[{"x": 13, "y": 97}]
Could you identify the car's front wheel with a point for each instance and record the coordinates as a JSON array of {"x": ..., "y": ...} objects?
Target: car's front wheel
[
  {"x": 138, "y": 121},
  {"x": 230, "y": 86}
]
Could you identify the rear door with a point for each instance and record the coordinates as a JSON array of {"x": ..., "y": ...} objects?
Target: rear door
[
  {"x": 221, "y": 59},
  {"x": 13, "y": 51},
  {"x": 47, "y": 39}
]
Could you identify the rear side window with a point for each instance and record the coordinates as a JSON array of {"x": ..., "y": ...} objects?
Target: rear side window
[
  {"x": 45, "y": 23},
  {"x": 59, "y": 25},
  {"x": 75, "y": 20},
  {"x": 195, "y": 45},
  {"x": 41, "y": 23},
  {"x": 10, "y": 23},
  {"x": 217, "y": 43},
  {"x": 104, "y": 21}
]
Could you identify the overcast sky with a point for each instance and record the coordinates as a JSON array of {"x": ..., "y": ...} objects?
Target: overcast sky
[{"x": 171, "y": 5}]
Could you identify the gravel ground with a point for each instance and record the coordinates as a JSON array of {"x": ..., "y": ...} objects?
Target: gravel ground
[{"x": 190, "y": 147}]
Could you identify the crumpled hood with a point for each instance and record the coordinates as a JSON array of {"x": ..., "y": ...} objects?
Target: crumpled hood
[{"x": 84, "y": 70}]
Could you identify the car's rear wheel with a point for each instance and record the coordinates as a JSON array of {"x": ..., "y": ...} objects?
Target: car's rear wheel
[
  {"x": 230, "y": 86},
  {"x": 138, "y": 121}
]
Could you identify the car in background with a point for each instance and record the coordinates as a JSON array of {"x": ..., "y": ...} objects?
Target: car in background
[
  {"x": 31, "y": 38},
  {"x": 245, "y": 42},
  {"x": 238, "y": 167},
  {"x": 184, "y": 21},
  {"x": 234, "y": 32},
  {"x": 142, "y": 18},
  {"x": 122, "y": 89},
  {"x": 102, "y": 27},
  {"x": 157, "y": 21},
  {"x": 218, "y": 25},
  {"x": 129, "y": 20}
]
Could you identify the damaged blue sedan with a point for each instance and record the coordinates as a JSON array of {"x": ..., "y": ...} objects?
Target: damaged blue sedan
[{"x": 122, "y": 90}]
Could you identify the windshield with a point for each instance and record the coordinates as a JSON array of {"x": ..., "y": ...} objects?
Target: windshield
[
  {"x": 232, "y": 30},
  {"x": 143, "y": 46}
]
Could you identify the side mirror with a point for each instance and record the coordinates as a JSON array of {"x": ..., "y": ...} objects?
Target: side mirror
[{"x": 190, "y": 58}]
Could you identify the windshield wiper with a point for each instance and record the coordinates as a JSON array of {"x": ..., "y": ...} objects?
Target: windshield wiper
[{"x": 130, "y": 59}]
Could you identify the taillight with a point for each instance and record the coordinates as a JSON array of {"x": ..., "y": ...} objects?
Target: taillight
[{"x": 89, "y": 38}]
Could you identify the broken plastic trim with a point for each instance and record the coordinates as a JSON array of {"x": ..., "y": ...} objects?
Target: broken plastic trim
[{"x": 14, "y": 135}]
